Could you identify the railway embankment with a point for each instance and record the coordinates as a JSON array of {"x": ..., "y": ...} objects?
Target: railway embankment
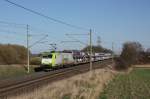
[
  {"x": 31, "y": 82},
  {"x": 83, "y": 86}
]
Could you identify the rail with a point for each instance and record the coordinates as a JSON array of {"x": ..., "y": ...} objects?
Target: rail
[{"x": 30, "y": 83}]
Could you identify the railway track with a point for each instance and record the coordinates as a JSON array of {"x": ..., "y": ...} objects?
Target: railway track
[{"x": 32, "y": 82}]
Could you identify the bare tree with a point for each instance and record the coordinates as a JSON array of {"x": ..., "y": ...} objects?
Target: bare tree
[{"x": 131, "y": 54}]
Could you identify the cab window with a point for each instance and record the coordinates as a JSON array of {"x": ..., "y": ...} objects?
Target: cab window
[{"x": 47, "y": 56}]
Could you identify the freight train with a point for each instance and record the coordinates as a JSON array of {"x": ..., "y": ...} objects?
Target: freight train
[{"x": 52, "y": 60}]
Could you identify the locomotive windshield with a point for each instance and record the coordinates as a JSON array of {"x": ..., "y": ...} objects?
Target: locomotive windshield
[{"x": 47, "y": 56}]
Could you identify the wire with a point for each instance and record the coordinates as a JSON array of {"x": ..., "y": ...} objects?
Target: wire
[
  {"x": 79, "y": 34},
  {"x": 9, "y": 23},
  {"x": 11, "y": 37},
  {"x": 16, "y": 25},
  {"x": 38, "y": 40},
  {"x": 95, "y": 33},
  {"x": 10, "y": 32},
  {"x": 76, "y": 40},
  {"x": 40, "y": 31},
  {"x": 45, "y": 16}
]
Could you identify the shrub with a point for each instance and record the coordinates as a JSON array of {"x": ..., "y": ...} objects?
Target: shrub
[
  {"x": 145, "y": 58},
  {"x": 120, "y": 64},
  {"x": 35, "y": 61},
  {"x": 131, "y": 54},
  {"x": 12, "y": 54}
]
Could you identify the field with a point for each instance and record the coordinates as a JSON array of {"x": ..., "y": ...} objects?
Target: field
[
  {"x": 102, "y": 84},
  {"x": 133, "y": 85},
  {"x": 8, "y": 71},
  {"x": 82, "y": 86}
]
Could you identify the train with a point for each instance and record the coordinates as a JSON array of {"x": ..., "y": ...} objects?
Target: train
[{"x": 57, "y": 59}]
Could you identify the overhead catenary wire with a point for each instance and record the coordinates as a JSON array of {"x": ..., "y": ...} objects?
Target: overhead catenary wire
[
  {"x": 38, "y": 41},
  {"x": 13, "y": 37},
  {"x": 76, "y": 40},
  {"x": 58, "y": 21},
  {"x": 78, "y": 34},
  {"x": 18, "y": 25},
  {"x": 6, "y": 24},
  {"x": 47, "y": 17},
  {"x": 8, "y": 29},
  {"x": 10, "y": 32},
  {"x": 39, "y": 32}
]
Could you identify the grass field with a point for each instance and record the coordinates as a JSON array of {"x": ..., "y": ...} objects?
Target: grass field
[
  {"x": 134, "y": 85},
  {"x": 83, "y": 86},
  {"x": 8, "y": 71}
]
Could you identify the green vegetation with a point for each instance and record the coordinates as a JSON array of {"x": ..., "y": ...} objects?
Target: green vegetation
[
  {"x": 135, "y": 85},
  {"x": 8, "y": 71}
]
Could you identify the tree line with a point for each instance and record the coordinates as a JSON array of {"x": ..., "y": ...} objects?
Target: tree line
[
  {"x": 132, "y": 53},
  {"x": 12, "y": 54}
]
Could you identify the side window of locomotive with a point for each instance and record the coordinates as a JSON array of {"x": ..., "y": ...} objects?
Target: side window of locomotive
[{"x": 44, "y": 56}]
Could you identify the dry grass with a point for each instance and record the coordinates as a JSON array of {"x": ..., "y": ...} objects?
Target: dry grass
[
  {"x": 9, "y": 71},
  {"x": 84, "y": 86},
  {"x": 145, "y": 65}
]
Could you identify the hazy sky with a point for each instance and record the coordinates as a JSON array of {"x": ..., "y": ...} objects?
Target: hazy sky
[{"x": 115, "y": 21}]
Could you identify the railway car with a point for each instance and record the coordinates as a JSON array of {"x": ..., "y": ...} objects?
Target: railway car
[
  {"x": 51, "y": 60},
  {"x": 55, "y": 59}
]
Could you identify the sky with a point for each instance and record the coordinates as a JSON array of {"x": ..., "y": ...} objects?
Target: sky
[{"x": 115, "y": 21}]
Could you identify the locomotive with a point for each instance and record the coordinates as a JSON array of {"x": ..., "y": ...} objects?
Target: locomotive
[{"x": 54, "y": 59}]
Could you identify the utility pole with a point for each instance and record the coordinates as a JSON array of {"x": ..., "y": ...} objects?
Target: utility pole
[
  {"x": 28, "y": 51},
  {"x": 90, "y": 44},
  {"x": 90, "y": 50}
]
